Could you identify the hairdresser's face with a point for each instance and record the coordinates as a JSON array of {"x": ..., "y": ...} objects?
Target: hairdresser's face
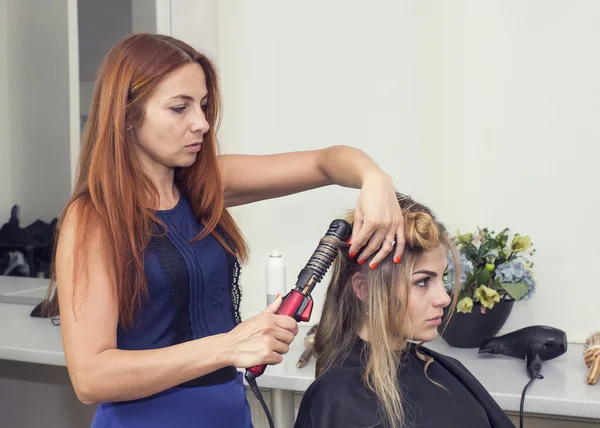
[
  {"x": 428, "y": 296},
  {"x": 174, "y": 123}
]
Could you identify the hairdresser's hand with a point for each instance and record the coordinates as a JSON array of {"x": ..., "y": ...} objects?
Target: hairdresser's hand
[
  {"x": 262, "y": 339},
  {"x": 378, "y": 222}
]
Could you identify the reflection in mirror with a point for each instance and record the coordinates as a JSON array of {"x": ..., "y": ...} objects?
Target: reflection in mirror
[
  {"x": 101, "y": 25},
  {"x": 36, "y": 111}
]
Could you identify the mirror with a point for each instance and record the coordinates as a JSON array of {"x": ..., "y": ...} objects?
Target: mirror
[{"x": 46, "y": 85}]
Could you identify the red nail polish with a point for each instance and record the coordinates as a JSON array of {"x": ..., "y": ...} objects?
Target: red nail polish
[
  {"x": 361, "y": 262},
  {"x": 352, "y": 255},
  {"x": 373, "y": 266},
  {"x": 350, "y": 241},
  {"x": 397, "y": 260}
]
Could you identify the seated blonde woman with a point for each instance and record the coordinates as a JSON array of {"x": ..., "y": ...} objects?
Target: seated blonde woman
[{"x": 370, "y": 372}]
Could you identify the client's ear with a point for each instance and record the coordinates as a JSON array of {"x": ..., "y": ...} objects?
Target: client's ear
[{"x": 359, "y": 285}]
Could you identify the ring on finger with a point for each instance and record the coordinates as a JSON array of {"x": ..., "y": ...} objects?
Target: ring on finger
[{"x": 392, "y": 243}]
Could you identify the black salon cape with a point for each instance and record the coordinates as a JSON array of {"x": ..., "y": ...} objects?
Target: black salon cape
[{"x": 340, "y": 399}]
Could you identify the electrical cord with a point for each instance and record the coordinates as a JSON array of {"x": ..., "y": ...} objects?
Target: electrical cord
[
  {"x": 523, "y": 398},
  {"x": 534, "y": 366},
  {"x": 254, "y": 387}
]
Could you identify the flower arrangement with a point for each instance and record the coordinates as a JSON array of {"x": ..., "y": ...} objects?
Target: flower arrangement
[{"x": 491, "y": 269}]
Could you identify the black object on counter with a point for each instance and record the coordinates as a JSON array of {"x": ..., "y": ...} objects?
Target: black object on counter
[
  {"x": 26, "y": 251},
  {"x": 534, "y": 345}
]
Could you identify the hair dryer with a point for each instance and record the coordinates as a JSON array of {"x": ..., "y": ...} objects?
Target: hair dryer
[
  {"x": 533, "y": 344},
  {"x": 298, "y": 303}
]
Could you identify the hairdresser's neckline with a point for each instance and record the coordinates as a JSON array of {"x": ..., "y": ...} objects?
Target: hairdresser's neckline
[{"x": 175, "y": 208}]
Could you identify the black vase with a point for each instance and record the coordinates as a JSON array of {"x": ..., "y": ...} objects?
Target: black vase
[{"x": 469, "y": 330}]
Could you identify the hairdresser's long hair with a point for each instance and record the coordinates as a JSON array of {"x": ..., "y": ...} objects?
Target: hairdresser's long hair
[
  {"x": 113, "y": 196},
  {"x": 387, "y": 323}
]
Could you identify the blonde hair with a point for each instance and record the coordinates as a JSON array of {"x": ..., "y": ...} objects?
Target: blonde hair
[{"x": 344, "y": 313}]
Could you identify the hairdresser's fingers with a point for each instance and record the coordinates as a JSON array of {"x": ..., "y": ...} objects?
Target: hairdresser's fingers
[
  {"x": 374, "y": 245},
  {"x": 288, "y": 323},
  {"x": 400, "y": 241},
  {"x": 274, "y": 306},
  {"x": 365, "y": 230},
  {"x": 356, "y": 228},
  {"x": 284, "y": 335},
  {"x": 280, "y": 347},
  {"x": 387, "y": 246}
]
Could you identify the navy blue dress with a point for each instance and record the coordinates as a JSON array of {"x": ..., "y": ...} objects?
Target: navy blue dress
[{"x": 193, "y": 293}]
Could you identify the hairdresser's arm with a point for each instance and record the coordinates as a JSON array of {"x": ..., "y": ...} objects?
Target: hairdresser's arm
[
  {"x": 101, "y": 373},
  {"x": 251, "y": 178}
]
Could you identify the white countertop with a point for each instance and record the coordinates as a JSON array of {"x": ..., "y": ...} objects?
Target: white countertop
[
  {"x": 563, "y": 391},
  {"x": 28, "y": 339},
  {"x": 22, "y": 290}
]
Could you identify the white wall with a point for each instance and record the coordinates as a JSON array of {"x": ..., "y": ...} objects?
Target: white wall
[
  {"x": 486, "y": 111},
  {"x": 5, "y": 168},
  {"x": 38, "y": 107},
  {"x": 305, "y": 76},
  {"x": 520, "y": 142},
  {"x": 163, "y": 16},
  {"x": 196, "y": 22}
]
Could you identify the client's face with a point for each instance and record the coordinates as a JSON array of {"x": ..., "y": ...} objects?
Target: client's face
[{"x": 428, "y": 296}]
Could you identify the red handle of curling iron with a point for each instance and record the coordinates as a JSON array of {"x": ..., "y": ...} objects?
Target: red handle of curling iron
[{"x": 295, "y": 305}]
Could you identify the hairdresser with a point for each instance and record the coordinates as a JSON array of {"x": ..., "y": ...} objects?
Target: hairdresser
[{"x": 146, "y": 266}]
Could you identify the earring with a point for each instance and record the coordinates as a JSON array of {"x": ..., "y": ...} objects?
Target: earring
[{"x": 129, "y": 128}]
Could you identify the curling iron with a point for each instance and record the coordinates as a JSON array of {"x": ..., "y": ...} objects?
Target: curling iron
[{"x": 298, "y": 303}]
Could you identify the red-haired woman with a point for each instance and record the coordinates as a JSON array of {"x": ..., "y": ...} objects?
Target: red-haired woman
[{"x": 146, "y": 262}]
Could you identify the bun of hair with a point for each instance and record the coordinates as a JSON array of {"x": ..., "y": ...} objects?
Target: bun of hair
[{"x": 421, "y": 230}]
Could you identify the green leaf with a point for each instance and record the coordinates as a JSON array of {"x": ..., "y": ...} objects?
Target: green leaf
[
  {"x": 484, "y": 248},
  {"x": 471, "y": 252},
  {"x": 495, "y": 285},
  {"x": 516, "y": 289},
  {"x": 493, "y": 244},
  {"x": 502, "y": 238},
  {"x": 484, "y": 277}
]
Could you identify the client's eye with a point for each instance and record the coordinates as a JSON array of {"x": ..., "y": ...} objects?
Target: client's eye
[
  {"x": 178, "y": 109},
  {"x": 423, "y": 282}
]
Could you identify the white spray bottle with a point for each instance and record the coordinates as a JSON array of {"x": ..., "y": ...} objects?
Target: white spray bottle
[{"x": 275, "y": 276}]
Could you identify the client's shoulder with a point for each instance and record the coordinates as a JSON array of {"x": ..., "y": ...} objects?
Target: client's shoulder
[
  {"x": 338, "y": 377},
  {"x": 337, "y": 397}
]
